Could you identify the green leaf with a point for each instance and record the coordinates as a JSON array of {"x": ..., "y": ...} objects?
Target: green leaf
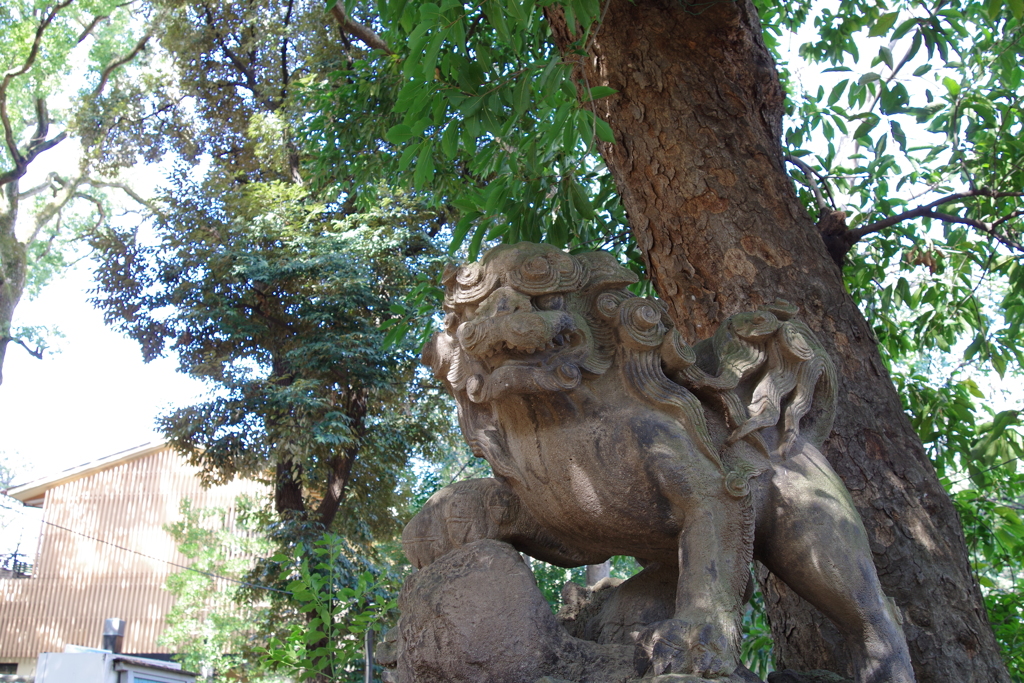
[
  {"x": 521, "y": 96},
  {"x": 885, "y": 54},
  {"x": 395, "y": 336},
  {"x": 496, "y": 14},
  {"x": 1008, "y": 541},
  {"x": 461, "y": 230},
  {"x": 478, "y": 238},
  {"x": 999, "y": 364},
  {"x": 407, "y": 156},
  {"x": 517, "y": 12},
  {"x": 398, "y": 134},
  {"x": 599, "y": 91},
  {"x": 430, "y": 12},
  {"x": 969, "y": 353},
  {"x": 580, "y": 201},
  {"x": 837, "y": 92},
  {"x": 430, "y": 57},
  {"x": 459, "y": 34},
  {"x": 450, "y": 140},
  {"x": 415, "y": 46},
  {"x": 972, "y": 388},
  {"x": 869, "y": 123},
  {"x": 550, "y": 79},
  {"x": 952, "y": 86},
  {"x": 898, "y": 135},
  {"x": 604, "y": 131},
  {"x": 884, "y": 23},
  {"x": 1002, "y": 420},
  {"x": 903, "y": 287}
]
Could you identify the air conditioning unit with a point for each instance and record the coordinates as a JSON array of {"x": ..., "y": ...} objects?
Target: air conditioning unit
[{"x": 100, "y": 666}]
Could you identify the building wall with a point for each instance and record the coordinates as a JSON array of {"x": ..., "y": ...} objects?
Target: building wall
[{"x": 104, "y": 553}]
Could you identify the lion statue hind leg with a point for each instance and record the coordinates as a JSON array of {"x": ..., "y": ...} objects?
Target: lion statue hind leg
[{"x": 810, "y": 535}]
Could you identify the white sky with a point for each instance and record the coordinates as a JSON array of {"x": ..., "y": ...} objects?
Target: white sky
[{"x": 92, "y": 398}]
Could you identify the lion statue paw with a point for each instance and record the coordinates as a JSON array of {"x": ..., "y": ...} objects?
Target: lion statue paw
[{"x": 703, "y": 651}]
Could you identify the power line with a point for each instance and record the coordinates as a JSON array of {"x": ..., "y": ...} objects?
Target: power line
[{"x": 157, "y": 559}]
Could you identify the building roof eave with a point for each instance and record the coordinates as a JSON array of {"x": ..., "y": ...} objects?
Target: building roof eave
[{"x": 33, "y": 493}]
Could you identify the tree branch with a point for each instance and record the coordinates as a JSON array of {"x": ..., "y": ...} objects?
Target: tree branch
[
  {"x": 35, "y": 353},
  {"x": 242, "y": 68},
  {"x": 341, "y": 463},
  {"x": 91, "y": 27},
  {"x": 149, "y": 204},
  {"x": 52, "y": 182},
  {"x": 838, "y": 240},
  {"x": 53, "y": 238},
  {"x": 928, "y": 211},
  {"x": 61, "y": 199},
  {"x": 101, "y": 211},
  {"x": 20, "y": 163},
  {"x": 285, "y": 74},
  {"x": 1008, "y": 217},
  {"x": 121, "y": 61},
  {"x": 809, "y": 175},
  {"x": 357, "y": 30},
  {"x": 42, "y": 125}
]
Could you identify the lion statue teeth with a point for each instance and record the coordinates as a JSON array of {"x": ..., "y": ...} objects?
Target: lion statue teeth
[{"x": 609, "y": 435}]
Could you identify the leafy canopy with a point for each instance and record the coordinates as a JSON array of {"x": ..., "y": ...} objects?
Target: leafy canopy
[{"x": 60, "y": 64}]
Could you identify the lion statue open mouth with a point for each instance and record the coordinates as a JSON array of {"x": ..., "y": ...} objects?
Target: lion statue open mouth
[{"x": 608, "y": 435}]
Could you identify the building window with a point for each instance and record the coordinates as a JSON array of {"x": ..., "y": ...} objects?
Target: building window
[
  {"x": 130, "y": 673},
  {"x": 8, "y": 668}
]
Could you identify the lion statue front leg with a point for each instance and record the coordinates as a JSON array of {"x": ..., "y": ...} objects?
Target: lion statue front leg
[{"x": 703, "y": 637}]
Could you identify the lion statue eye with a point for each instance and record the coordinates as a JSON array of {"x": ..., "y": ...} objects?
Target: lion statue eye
[{"x": 550, "y": 302}]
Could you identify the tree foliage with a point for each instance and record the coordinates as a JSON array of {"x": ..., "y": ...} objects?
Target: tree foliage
[
  {"x": 919, "y": 146},
  {"x": 330, "y": 646},
  {"x": 51, "y": 52},
  {"x": 282, "y": 317},
  {"x": 207, "y": 626},
  {"x": 229, "y": 628},
  {"x": 272, "y": 293}
]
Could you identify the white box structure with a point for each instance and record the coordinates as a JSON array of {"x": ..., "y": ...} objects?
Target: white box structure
[{"x": 98, "y": 666}]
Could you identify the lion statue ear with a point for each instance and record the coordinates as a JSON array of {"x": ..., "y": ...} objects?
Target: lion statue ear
[{"x": 605, "y": 271}]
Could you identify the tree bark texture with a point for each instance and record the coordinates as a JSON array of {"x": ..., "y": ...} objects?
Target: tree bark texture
[
  {"x": 13, "y": 266},
  {"x": 698, "y": 161}
]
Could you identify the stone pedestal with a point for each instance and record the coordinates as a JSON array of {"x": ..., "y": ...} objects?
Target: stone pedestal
[{"x": 475, "y": 615}]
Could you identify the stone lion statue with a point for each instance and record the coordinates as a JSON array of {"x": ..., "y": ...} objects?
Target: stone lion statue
[{"x": 608, "y": 435}]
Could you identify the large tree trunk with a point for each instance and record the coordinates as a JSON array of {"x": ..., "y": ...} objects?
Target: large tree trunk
[
  {"x": 699, "y": 165},
  {"x": 13, "y": 266}
]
